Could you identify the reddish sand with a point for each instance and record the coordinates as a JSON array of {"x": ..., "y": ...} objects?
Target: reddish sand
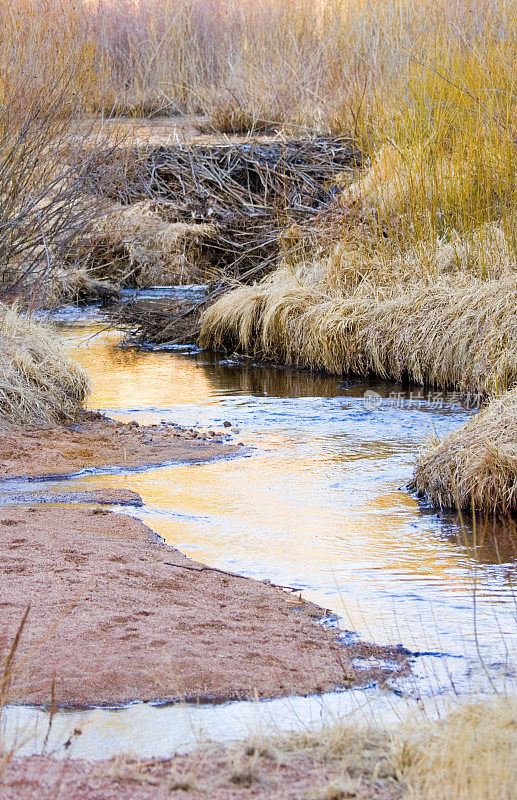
[
  {"x": 116, "y": 615},
  {"x": 97, "y": 441},
  {"x": 102, "y": 497},
  {"x": 232, "y": 774}
]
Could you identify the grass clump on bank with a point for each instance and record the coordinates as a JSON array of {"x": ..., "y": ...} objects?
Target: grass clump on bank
[
  {"x": 475, "y": 466},
  {"x": 136, "y": 246},
  {"x": 467, "y": 755},
  {"x": 39, "y": 383},
  {"x": 347, "y": 315}
]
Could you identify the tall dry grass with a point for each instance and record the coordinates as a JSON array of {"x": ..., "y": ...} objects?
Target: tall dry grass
[
  {"x": 39, "y": 383},
  {"x": 326, "y": 65},
  {"x": 475, "y": 466},
  {"x": 444, "y": 327},
  {"x": 467, "y": 754},
  {"x": 432, "y": 82}
]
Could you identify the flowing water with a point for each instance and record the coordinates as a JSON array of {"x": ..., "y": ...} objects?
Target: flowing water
[{"x": 317, "y": 501}]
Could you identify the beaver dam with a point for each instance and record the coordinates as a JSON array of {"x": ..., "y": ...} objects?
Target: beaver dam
[{"x": 216, "y": 214}]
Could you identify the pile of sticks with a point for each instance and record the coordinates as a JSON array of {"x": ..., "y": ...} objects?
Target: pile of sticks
[{"x": 253, "y": 192}]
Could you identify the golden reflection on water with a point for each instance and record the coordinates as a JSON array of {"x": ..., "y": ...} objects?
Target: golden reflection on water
[
  {"x": 277, "y": 513},
  {"x": 131, "y": 379}
]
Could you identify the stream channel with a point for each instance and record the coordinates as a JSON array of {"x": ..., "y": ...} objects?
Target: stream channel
[{"x": 316, "y": 502}]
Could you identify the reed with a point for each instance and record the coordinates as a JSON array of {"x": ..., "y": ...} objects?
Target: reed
[{"x": 454, "y": 325}]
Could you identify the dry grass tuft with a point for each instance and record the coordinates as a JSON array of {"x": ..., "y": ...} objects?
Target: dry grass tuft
[
  {"x": 39, "y": 383},
  {"x": 135, "y": 245},
  {"x": 77, "y": 286},
  {"x": 475, "y": 466},
  {"x": 468, "y": 755}
]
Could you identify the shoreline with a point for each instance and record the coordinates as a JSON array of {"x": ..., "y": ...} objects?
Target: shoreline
[
  {"x": 151, "y": 624},
  {"x": 97, "y": 442}
]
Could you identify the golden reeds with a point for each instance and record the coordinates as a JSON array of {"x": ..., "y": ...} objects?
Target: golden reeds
[
  {"x": 475, "y": 466},
  {"x": 332, "y": 65},
  {"x": 467, "y": 755},
  {"x": 39, "y": 383},
  {"x": 450, "y": 328}
]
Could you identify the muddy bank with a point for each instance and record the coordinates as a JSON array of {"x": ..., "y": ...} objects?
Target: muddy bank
[
  {"x": 259, "y": 771},
  {"x": 95, "y": 441},
  {"x": 115, "y": 615}
]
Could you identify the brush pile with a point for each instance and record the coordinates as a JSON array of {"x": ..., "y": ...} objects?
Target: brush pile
[
  {"x": 213, "y": 213},
  {"x": 249, "y": 192},
  {"x": 39, "y": 383},
  {"x": 162, "y": 321}
]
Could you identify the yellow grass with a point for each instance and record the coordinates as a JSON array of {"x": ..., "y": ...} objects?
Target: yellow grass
[
  {"x": 468, "y": 754},
  {"x": 39, "y": 383},
  {"x": 137, "y": 245},
  {"x": 436, "y": 315},
  {"x": 322, "y": 64},
  {"x": 475, "y": 466}
]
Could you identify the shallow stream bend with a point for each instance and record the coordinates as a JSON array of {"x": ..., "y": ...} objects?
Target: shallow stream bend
[{"x": 317, "y": 502}]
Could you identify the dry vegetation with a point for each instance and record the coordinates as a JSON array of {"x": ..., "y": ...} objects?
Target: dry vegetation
[
  {"x": 135, "y": 245},
  {"x": 410, "y": 274},
  {"x": 39, "y": 383},
  {"x": 476, "y": 465},
  {"x": 468, "y": 755},
  {"x": 451, "y": 331}
]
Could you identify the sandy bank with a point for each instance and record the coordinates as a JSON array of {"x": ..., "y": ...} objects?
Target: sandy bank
[
  {"x": 467, "y": 754},
  {"x": 115, "y": 615},
  {"x": 95, "y": 441},
  {"x": 261, "y": 773}
]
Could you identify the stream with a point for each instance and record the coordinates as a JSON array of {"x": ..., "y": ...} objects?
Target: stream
[{"x": 316, "y": 502}]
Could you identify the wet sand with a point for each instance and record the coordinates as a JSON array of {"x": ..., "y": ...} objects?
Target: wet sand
[
  {"x": 95, "y": 441},
  {"x": 102, "y": 497},
  {"x": 116, "y": 615}
]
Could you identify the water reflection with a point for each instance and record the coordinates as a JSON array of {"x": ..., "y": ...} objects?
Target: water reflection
[{"x": 318, "y": 504}]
